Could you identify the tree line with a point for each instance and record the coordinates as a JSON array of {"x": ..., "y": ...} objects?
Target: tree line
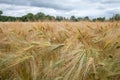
[{"x": 43, "y": 17}]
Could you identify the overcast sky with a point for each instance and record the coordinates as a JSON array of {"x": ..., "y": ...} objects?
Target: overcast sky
[{"x": 92, "y": 8}]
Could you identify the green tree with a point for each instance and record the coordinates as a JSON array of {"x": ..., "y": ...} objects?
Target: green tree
[
  {"x": 1, "y": 12},
  {"x": 73, "y": 18},
  {"x": 116, "y": 17},
  {"x": 50, "y": 18},
  {"x": 94, "y": 19},
  {"x": 40, "y": 16},
  {"x": 59, "y": 18},
  {"x": 101, "y": 19},
  {"x": 86, "y": 18},
  {"x": 30, "y": 17},
  {"x": 79, "y": 19}
]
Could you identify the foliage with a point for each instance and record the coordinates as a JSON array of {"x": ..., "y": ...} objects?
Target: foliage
[
  {"x": 1, "y": 12},
  {"x": 116, "y": 17},
  {"x": 43, "y": 17},
  {"x": 102, "y": 19}
]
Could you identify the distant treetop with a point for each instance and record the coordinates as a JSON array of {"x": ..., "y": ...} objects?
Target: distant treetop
[{"x": 43, "y": 17}]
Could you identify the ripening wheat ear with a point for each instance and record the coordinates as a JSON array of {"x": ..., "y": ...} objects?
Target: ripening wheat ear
[{"x": 60, "y": 51}]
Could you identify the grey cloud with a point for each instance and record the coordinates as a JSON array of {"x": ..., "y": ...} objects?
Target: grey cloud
[
  {"x": 20, "y": 2},
  {"x": 110, "y": 12},
  {"x": 100, "y": 8},
  {"x": 41, "y": 3},
  {"x": 55, "y": 4},
  {"x": 59, "y": 4},
  {"x": 61, "y": 7},
  {"x": 111, "y": 2},
  {"x": 51, "y": 5}
]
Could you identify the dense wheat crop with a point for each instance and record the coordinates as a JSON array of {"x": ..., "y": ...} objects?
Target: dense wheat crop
[{"x": 60, "y": 51}]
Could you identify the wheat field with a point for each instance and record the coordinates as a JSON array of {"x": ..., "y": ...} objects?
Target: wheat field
[{"x": 59, "y": 51}]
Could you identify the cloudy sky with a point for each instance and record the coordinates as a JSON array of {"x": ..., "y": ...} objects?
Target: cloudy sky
[{"x": 92, "y": 8}]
